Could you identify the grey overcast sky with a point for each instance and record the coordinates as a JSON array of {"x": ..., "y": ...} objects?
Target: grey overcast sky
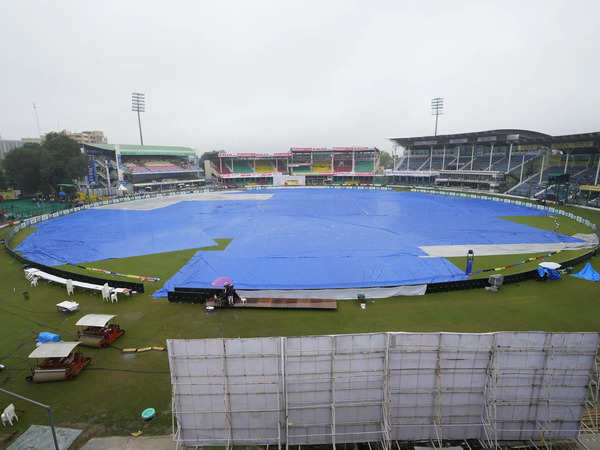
[{"x": 267, "y": 75}]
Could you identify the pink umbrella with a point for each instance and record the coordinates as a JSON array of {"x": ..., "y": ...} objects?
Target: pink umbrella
[{"x": 221, "y": 282}]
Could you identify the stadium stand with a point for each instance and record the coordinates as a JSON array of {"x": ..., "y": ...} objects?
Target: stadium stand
[
  {"x": 586, "y": 176},
  {"x": 282, "y": 166},
  {"x": 141, "y": 167},
  {"x": 135, "y": 168},
  {"x": 342, "y": 165},
  {"x": 363, "y": 166},
  {"x": 302, "y": 169},
  {"x": 264, "y": 166},
  {"x": 436, "y": 162},
  {"x": 413, "y": 163},
  {"x": 462, "y": 160},
  {"x": 26, "y": 208},
  {"x": 321, "y": 166},
  {"x": 242, "y": 166},
  {"x": 222, "y": 167},
  {"x": 315, "y": 165}
]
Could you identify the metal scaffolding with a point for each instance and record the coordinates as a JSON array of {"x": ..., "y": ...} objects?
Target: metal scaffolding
[{"x": 385, "y": 388}]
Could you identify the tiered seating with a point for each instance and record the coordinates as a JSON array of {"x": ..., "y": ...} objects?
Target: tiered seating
[
  {"x": 134, "y": 168},
  {"x": 321, "y": 166},
  {"x": 501, "y": 164},
  {"x": 342, "y": 165},
  {"x": 162, "y": 166},
  {"x": 241, "y": 166},
  {"x": 436, "y": 162},
  {"x": 414, "y": 162},
  {"x": 463, "y": 163},
  {"x": 551, "y": 170},
  {"x": 156, "y": 166},
  {"x": 479, "y": 163},
  {"x": 402, "y": 165},
  {"x": 302, "y": 169},
  {"x": 222, "y": 168},
  {"x": 515, "y": 160},
  {"x": 264, "y": 166},
  {"x": 282, "y": 166},
  {"x": 528, "y": 189},
  {"x": 366, "y": 166},
  {"x": 588, "y": 176}
]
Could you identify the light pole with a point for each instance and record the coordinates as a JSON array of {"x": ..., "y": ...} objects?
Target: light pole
[
  {"x": 138, "y": 104},
  {"x": 437, "y": 109}
]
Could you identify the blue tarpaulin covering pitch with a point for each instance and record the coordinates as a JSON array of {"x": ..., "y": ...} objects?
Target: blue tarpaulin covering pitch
[
  {"x": 297, "y": 239},
  {"x": 315, "y": 239},
  {"x": 587, "y": 273},
  {"x": 97, "y": 234}
]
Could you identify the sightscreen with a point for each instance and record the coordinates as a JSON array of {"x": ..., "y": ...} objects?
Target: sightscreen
[{"x": 380, "y": 387}]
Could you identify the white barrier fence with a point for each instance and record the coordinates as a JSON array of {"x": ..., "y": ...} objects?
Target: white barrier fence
[{"x": 382, "y": 387}]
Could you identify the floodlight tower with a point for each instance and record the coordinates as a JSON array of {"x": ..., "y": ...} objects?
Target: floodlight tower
[
  {"x": 437, "y": 109},
  {"x": 138, "y": 104},
  {"x": 37, "y": 120}
]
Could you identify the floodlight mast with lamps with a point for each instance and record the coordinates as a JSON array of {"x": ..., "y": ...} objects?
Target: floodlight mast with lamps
[
  {"x": 437, "y": 109},
  {"x": 138, "y": 104}
]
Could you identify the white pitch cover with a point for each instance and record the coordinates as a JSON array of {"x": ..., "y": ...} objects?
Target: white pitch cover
[{"x": 380, "y": 387}]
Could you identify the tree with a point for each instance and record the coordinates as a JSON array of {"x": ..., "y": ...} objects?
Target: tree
[
  {"x": 22, "y": 167},
  {"x": 385, "y": 160},
  {"x": 208, "y": 155},
  {"x": 40, "y": 168},
  {"x": 3, "y": 180},
  {"x": 61, "y": 162}
]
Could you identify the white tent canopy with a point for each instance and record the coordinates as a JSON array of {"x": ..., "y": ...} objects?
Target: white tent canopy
[
  {"x": 69, "y": 306},
  {"x": 54, "y": 350},
  {"x": 550, "y": 265},
  {"x": 95, "y": 320}
]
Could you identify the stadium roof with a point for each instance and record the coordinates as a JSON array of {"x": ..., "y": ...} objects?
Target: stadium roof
[
  {"x": 594, "y": 136},
  {"x": 333, "y": 149},
  {"x": 146, "y": 150},
  {"x": 503, "y": 136},
  {"x": 477, "y": 137}
]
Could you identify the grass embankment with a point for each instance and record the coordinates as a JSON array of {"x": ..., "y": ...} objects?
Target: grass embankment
[{"x": 108, "y": 396}]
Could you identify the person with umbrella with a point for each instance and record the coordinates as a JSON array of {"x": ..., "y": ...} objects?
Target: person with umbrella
[
  {"x": 230, "y": 293},
  {"x": 226, "y": 283}
]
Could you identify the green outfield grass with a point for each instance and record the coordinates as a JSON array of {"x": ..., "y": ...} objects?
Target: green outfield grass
[
  {"x": 108, "y": 396},
  {"x": 566, "y": 226}
]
